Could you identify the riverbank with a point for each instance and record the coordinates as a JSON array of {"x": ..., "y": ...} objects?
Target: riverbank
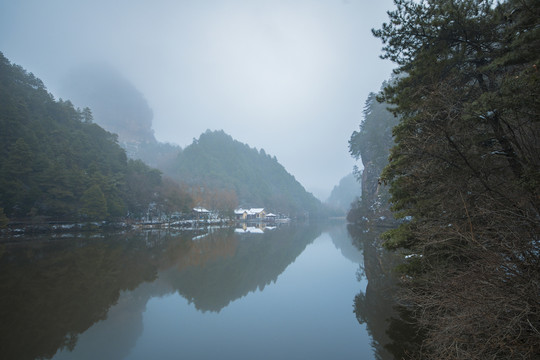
[{"x": 21, "y": 228}]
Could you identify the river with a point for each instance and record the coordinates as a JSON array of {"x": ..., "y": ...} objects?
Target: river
[{"x": 293, "y": 292}]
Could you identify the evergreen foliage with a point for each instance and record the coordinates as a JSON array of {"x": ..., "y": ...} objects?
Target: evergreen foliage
[
  {"x": 119, "y": 107},
  {"x": 116, "y": 104},
  {"x": 465, "y": 170},
  {"x": 371, "y": 144},
  {"x": 94, "y": 204},
  {"x": 217, "y": 162},
  {"x": 54, "y": 159}
]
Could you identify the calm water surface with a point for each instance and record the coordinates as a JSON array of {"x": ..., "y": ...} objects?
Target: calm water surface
[{"x": 287, "y": 293}]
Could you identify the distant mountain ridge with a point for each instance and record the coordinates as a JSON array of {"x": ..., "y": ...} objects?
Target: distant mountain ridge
[
  {"x": 343, "y": 194},
  {"x": 217, "y": 161},
  {"x": 220, "y": 171}
]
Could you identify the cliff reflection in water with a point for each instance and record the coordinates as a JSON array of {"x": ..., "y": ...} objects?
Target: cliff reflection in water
[
  {"x": 392, "y": 334},
  {"x": 51, "y": 291}
]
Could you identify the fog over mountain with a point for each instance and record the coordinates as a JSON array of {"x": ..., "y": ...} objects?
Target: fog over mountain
[{"x": 289, "y": 77}]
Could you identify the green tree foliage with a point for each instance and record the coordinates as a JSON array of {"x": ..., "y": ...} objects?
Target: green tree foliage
[
  {"x": 3, "y": 219},
  {"x": 174, "y": 198},
  {"x": 216, "y": 162},
  {"x": 93, "y": 204},
  {"x": 466, "y": 171},
  {"x": 371, "y": 144},
  {"x": 116, "y": 104},
  {"x": 119, "y": 107},
  {"x": 142, "y": 185},
  {"x": 51, "y": 154}
]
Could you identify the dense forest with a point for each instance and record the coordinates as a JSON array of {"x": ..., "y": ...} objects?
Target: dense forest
[
  {"x": 218, "y": 172},
  {"x": 57, "y": 164},
  {"x": 220, "y": 169},
  {"x": 119, "y": 107},
  {"x": 371, "y": 144},
  {"x": 464, "y": 173}
]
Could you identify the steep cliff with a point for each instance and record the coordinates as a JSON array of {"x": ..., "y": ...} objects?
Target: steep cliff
[{"x": 371, "y": 144}]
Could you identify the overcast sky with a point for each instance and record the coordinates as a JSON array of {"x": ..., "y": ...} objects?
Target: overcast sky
[{"x": 290, "y": 77}]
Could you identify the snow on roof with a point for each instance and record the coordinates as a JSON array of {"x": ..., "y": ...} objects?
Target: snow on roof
[
  {"x": 256, "y": 210},
  {"x": 200, "y": 210},
  {"x": 271, "y": 215},
  {"x": 240, "y": 211}
]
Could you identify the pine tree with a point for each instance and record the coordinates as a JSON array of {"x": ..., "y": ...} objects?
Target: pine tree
[{"x": 465, "y": 169}]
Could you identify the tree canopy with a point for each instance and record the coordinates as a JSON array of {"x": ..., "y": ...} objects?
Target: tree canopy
[
  {"x": 466, "y": 171},
  {"x": 371, "y": 144},
  {"x": 217, "y": 162},
  {"x": 56, "y": 163}
]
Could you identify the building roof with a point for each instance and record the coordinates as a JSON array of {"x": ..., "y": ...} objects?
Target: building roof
[
  {"x": 256, "y": 210},
  {"x": 252, "y": 211}
]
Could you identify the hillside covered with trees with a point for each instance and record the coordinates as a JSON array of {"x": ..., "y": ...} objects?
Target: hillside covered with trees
[
  {"x": 119, "y": 107},
  {"x": 217, "y": 163},
  {"x": 464, "y": 174},
  {"x": 56, "y": 164},
  {"x": 371, "y": 144}
]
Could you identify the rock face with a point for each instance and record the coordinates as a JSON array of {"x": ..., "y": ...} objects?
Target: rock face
[
  {"x": 117, "y": 105},
  {"x": 370, "y": 182},
  {"x": 372, "y": 144}
]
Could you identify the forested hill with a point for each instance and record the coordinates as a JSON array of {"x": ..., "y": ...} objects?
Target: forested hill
[
  {"x": 56, "y": 163},
  {"x": 119, "y": 107},
  {"x": 216, "y": 161}
]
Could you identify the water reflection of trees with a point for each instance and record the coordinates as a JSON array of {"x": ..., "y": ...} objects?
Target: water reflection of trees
[
  {"x": 393, "y": 335},
  {"x": 253, "y": 262},
  {"x": 52, "y": 291}
]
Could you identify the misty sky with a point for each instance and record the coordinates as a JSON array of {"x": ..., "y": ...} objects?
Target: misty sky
[{"x": 290, "y": 77}]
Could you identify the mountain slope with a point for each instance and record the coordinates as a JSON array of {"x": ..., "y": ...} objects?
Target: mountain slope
[
  {"x": 216, "y": 161},
  {"x": 119, "y": 107},
  {"x": 55, "y": 162}
]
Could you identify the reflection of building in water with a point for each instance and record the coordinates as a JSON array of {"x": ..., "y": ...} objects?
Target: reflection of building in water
[{"x": 253, "y": 228}]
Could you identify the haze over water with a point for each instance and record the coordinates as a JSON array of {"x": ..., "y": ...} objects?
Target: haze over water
[{"x": 289, "y": 77}]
